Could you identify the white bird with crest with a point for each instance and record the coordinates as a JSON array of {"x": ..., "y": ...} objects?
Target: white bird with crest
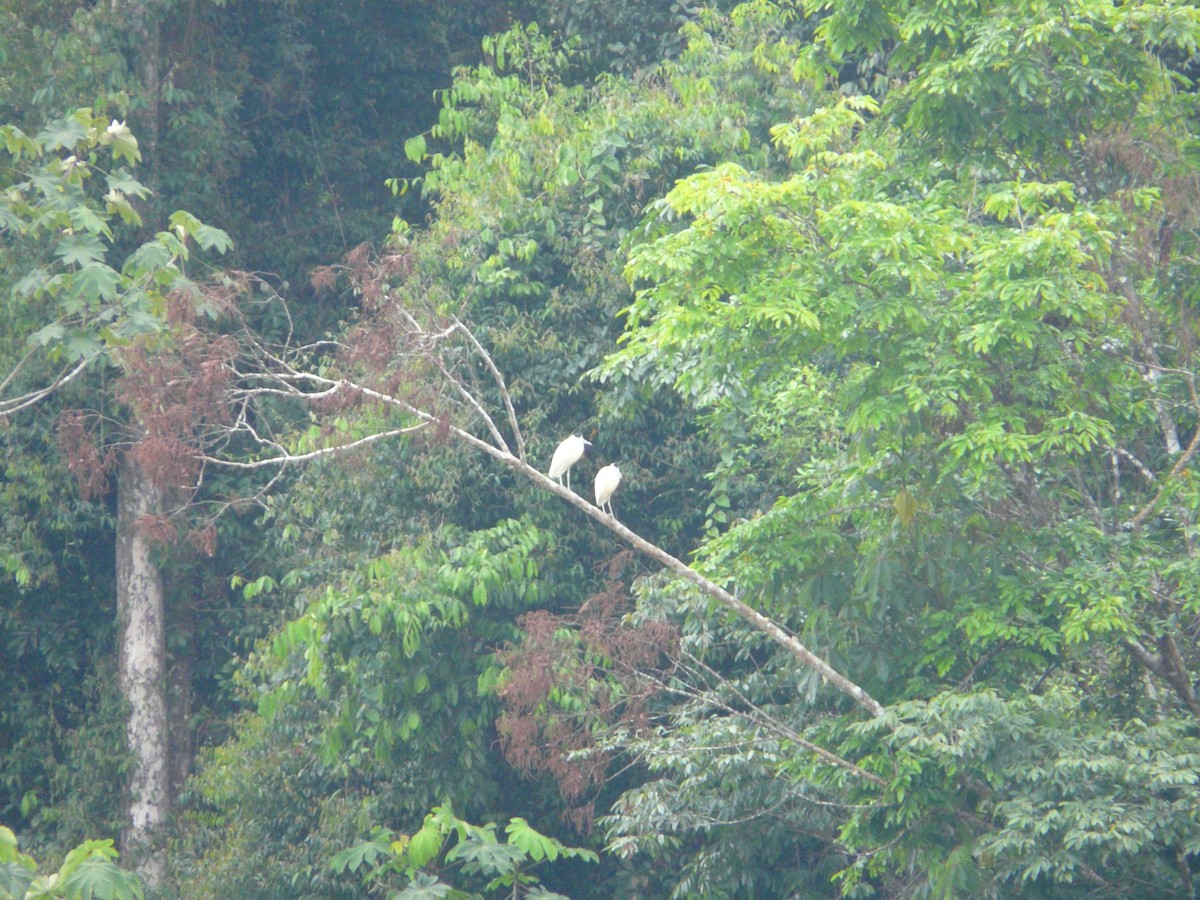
[
  {"x": 566, "y": 454},
  {"x": 607, "y": 480}
]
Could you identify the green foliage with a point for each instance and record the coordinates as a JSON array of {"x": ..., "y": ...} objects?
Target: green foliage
[
  {"x": 444, "y": 842},
  {"x": 258, "y": 813},
  {"x": 390, "y": 646},
  {"x": 908, "y": 362},
  {"x": 534, "y": 185},
  {"x": 72, "y": 309},
  {"x": 87, "y": 873},
  {"x": 620, "y": 36},
  {"x": 534, "y": 194},
  {"x": 69, "y": 192},
  {"x": 1056, "y": 795},
  {"x": 61, "y": 763},
  {"x": 948, "y": 365},
  {"x": 383, "y": 683}
]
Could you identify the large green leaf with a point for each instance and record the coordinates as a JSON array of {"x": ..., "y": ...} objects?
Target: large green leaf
[
  {"x": 80, "y": 249},
  {"x": 426, "y": 887},
  {"x": 96, "y": 283},
  {"x": 536, "y": 845},
  {"x": 98, "y": 878},
  {"x": 62, "y": 133},
  {"x": 14, "y": 880},
  {"x": 488, "y": 858},
  {"x": 87, "y": 219}
]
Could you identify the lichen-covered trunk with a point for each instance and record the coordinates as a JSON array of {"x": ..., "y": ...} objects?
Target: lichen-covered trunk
[{"x": 142, "y": 673}]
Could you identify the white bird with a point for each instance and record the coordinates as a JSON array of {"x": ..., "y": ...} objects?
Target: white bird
[
  {"x": 566, "y": 455},
  {"x": 607, "y": 480}
]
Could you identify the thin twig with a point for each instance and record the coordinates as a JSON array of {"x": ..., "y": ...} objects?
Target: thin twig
[
  {"x": 16, "y": 404},
  {"x": 287, "y": 458},
  {"x": 1180, "y": 464},
  {"x": 499, "y": 379},
  {"x": 765, "y": 720}
]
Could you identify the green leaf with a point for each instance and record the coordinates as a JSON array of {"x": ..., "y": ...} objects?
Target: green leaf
[
  {"x": 96, "y": 282},
  {"x": 414, "y": 148},
  {"x": 87, "y": 219},
  {"x": 82, "y": 345},
  {"x": 149, "y": 257},
  {"x": 487, "y": 858},
  {"x": 18, "y": 143},
  {"x": 80, "y": 249},
  {"x": 424, "y": 887},
  {"x": 532, "y": 842},
  {"x": 122, "y": 182},
  {"x": 8, "y": 845},
  {"x": 98, "y": 877},
  {"x": 425, "y": 845},
  {"x": 116, "y": 204},
  {"x": 906, "y": 506},
  {"x": 183, "y": 223},
  {"x": 367, "y": 853},
  {"x": 211, "y": 238},
  {"x": 32, "y": 283},
  {"x": 48, "y": 334},
  {"x": 62, "y": 133},
  {"x": 124, "y": 144},
  {"x": 537, "y": 892},
  {"x": 14, "y": 880}
]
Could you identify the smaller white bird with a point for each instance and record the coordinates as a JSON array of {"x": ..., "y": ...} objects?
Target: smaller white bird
[
  {"x": 566, "y": 455},
  {"x": 607, "y": 480}
]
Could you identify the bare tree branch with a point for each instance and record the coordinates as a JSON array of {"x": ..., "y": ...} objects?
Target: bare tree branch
[
  {"x": 13, "y": 405},
  {"x": 287, "y": 458},
  {"x": 1181, "y": 463},
  {"x": 285, "y": 379},
  {"x": 500, "y": 383},
  {"x": 755, "y": 714}
]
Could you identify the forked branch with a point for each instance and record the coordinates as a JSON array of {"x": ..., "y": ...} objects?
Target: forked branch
[{"x": 423, "y": 350}]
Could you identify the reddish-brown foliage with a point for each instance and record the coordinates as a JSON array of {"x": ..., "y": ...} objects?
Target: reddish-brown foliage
[
  {"x": 570, "y": 678},
  {"x": 177, "y": 392},
  {"x": 323, "y": 278},
  {"x": 205, "y": 539},
  {"x": 159, "y": 530},
  {"x": 88, "y": 459},
  {"x": 174, "y": 393}
]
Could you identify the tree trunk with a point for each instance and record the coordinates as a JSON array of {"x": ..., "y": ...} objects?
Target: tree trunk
[
  {"x": 142, "y": 672},
  {"x": 140, "y": 595}
]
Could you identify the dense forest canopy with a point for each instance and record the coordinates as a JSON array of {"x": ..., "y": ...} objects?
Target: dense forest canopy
[{"x": 883, "y": 309}]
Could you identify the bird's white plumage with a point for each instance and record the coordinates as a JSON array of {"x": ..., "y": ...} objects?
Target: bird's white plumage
[
  {"x": 607, "y": 480},
  {"x": 566, "y": 455}
]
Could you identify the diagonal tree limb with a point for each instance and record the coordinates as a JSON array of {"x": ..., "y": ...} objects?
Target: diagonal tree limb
[{"x": 326, "y": 387}]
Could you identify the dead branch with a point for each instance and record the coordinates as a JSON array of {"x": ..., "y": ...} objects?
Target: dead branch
[
  {"x": 282, "y": 375},
  {"x": 12, "y": 405},
  {"x": 1183, "y": 461},
  {"x": 755, "y": 714}
]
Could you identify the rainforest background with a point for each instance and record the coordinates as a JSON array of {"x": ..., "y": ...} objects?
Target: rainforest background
[{"x": 886, "y": 310}]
